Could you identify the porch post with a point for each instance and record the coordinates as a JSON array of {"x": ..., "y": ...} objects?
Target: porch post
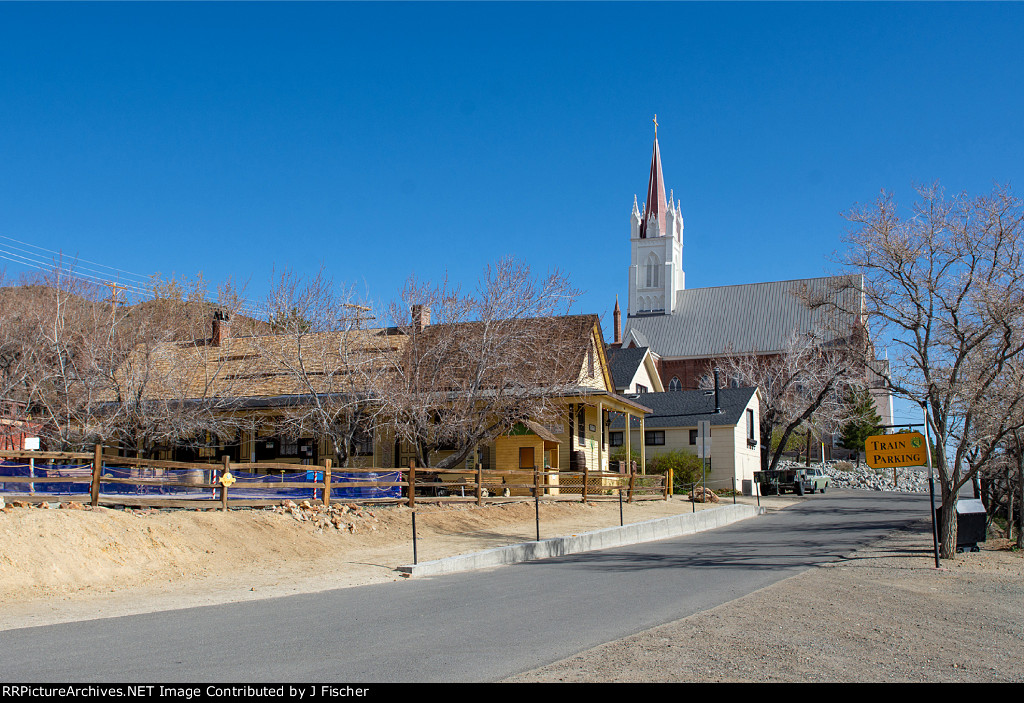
[
  {"x": 643, "y": 450},
  {"x": 629, "y": 438},
  {"x": 600, "y": 436}
]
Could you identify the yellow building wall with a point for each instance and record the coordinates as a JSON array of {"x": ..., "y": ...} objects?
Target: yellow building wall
[{"x": 591, "y": 441}]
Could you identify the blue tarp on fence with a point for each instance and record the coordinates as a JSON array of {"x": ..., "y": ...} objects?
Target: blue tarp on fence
[
  {"x": 247, "y": 485},
  {"x": 43, "y": 472}
]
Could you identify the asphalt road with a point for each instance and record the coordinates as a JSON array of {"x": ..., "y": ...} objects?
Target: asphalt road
[{"x": 464, "y": 627}]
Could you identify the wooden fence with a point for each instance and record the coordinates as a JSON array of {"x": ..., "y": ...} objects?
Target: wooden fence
[{"x": 432, "y": 485}]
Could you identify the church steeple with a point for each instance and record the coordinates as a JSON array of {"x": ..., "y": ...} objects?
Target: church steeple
[
  {"x": 657, "y": 204},
  {"x": 656, "y": 236}
]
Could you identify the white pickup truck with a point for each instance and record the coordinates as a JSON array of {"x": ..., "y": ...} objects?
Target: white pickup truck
[{"x": 818, "y": 478}]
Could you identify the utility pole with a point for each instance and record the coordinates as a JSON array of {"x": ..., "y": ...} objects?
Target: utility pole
[{"x": 114, "y": 288}]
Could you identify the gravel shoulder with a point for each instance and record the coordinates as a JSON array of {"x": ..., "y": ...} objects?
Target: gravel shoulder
[{"x": 881, "y": 614}]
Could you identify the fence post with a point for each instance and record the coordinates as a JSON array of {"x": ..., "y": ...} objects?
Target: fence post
[
  {"x": 479, "y": 483},
  {"x": 412, "y": 485},
  {"x": 632, "y": 482},
  {"x": 327, "y": 483},
  {"x": 97, "y": 470},
  {"x": 586, "y": 480},
  {"x": 223, "y": 486},
  {"x": 536, "y": 498}
]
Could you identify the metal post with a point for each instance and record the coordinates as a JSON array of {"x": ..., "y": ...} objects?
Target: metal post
[
  {"x": 414, "y": 538},
  {"x": 704, "y": 474},
  {"x": 621, "y": 523},
  {"x": 734, "y": 490},
  {"x": 931, "y": 482}
]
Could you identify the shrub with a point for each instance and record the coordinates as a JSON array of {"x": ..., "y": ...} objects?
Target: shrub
[{"x": 686, "y": 468}]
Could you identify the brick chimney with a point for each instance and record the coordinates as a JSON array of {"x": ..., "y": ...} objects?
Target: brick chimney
[
  {"x": 221, "y": 328},
  {"x": 617, "y": 321},
  {"x": 420, "y": 317}
]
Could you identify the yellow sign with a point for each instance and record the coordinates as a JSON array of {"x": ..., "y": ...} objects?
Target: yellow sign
[{"x": 890, "y": 450}]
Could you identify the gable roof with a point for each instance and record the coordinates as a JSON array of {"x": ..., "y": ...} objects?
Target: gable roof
[
  {"x": 687, "y": 408},
  {"x": 755, "y": 317},
  {"x": 256, "y": 367},
  {"x": 624, "y": 363}
]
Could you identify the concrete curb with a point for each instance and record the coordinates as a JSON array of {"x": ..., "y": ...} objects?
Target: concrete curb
[{"x": 662, "y": 528}]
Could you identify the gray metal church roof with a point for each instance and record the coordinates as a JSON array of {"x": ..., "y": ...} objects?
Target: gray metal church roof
[{"x": 756, "y": 317}]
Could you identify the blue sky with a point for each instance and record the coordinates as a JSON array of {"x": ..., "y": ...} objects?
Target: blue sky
[{"x": 386, "y": 139}]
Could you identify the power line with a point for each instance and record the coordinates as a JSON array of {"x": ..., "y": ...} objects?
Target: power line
[{"x": 134, "y": 283}]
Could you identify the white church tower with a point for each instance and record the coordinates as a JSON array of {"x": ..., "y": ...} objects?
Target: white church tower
[{"x": 656, "y": 242}]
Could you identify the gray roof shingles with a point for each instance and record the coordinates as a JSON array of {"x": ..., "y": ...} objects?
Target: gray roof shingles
[
  {"x": 623, "y": 363},
  {"x": 687, "y": 408}
]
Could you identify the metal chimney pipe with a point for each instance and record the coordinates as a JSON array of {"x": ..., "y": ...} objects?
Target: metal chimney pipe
[{"x": 718, "y": 408}]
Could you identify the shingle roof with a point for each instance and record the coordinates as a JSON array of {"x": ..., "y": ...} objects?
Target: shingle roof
[
  {"x": 755, "y": 317},
  {"x": 257, "y": 367},
  {"x": 623, "y": 364},
  {"x": 687, "y": 408}
]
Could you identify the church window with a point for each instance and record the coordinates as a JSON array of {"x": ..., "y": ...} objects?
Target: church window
[
  {"x": 653, "y": 271},
  {"x": 674, "y": 384}
]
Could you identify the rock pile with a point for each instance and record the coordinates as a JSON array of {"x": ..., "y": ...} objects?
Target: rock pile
[
  {"x": 699, "y": 494},
  {"x": 845, "y": 474},
  {"x": 344, "y": 516},
  {"x": 69, "y": 505}
]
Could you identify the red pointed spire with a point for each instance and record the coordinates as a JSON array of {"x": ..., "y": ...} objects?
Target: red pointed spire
[{"x": 657, "y": 203}]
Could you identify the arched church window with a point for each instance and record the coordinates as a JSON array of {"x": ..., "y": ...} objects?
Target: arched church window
[
  {"x": 674, "y": 384},
  {"x": 653, "y": 271}
]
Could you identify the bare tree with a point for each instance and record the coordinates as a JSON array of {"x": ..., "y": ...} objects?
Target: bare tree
[
  {"x": 95, "y": 369},
  {"x": 475, "y": 364},
  {"x": 163, "y": 379},
  {"x": 804, "y": 385},
  {"x": 331, "y": 364},
  {"x": 946, "y": 285}
]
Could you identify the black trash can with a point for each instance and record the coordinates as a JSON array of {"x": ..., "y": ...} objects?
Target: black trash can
[{"x": 971, "y": 520}]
